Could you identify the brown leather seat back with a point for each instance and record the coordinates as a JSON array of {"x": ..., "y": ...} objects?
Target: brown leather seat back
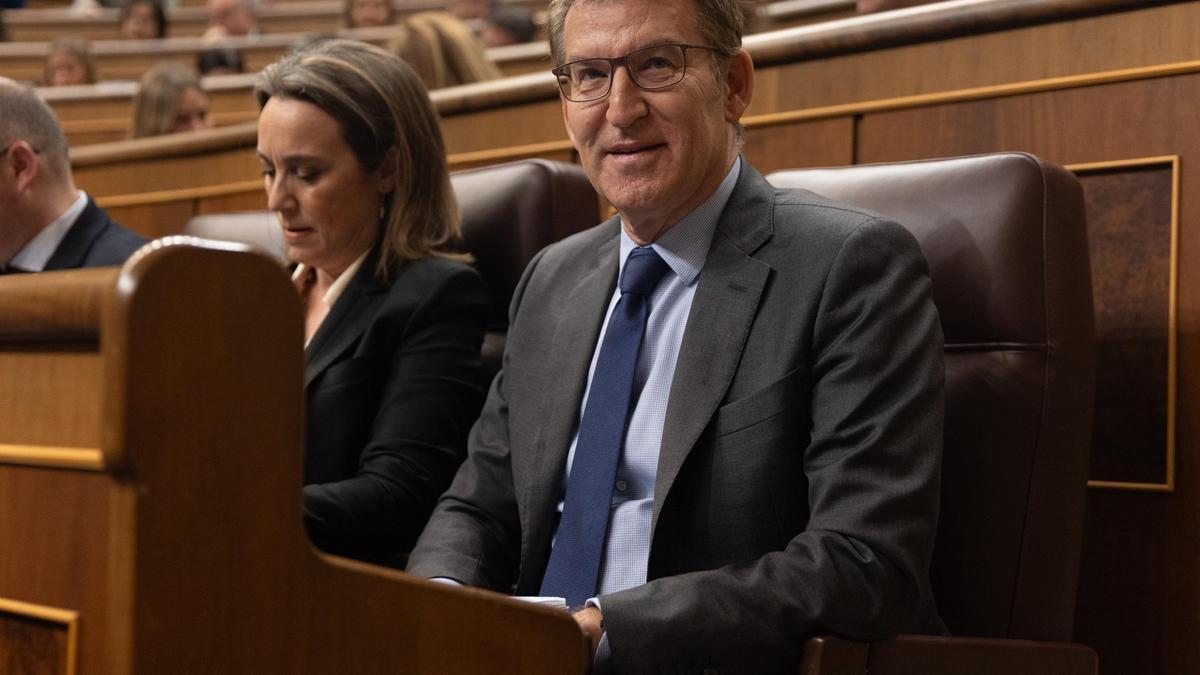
[
  {"x": 510, "y": 212},
  {"x": 1006, "y": 242}
]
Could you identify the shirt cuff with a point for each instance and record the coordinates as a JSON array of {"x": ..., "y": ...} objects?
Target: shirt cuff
[{"x": 602, "y": 664}]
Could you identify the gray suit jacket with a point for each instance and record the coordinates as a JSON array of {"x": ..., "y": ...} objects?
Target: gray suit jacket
[{"x": 797, "y": 486}]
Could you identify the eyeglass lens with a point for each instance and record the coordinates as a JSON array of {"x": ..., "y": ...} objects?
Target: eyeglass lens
[{"x": 650, "y": 68}]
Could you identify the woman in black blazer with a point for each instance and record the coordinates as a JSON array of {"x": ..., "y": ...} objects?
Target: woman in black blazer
[{"x": 354, "y": 165}]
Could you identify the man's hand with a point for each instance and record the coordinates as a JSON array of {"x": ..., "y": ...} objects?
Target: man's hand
[{"x": 591, "y": 623}]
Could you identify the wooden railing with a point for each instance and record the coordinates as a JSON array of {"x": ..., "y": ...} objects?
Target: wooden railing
[{"x": 103, "y": 112}]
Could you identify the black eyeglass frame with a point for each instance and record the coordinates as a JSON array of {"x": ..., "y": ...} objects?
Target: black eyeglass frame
[{"x": 561, "y": 71}]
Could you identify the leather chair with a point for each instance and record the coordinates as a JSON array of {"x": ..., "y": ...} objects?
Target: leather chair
[
  {"x": 509, "y": 213},
  {"x": 1006, "y": 241}
]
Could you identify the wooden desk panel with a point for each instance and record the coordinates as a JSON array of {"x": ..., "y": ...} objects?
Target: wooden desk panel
[{"x": 183, "y": 550}]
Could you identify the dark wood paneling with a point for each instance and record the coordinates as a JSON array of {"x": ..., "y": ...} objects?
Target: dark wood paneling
[
  {"x": 1139, "y": 597},
  {"x": 800, "y": 144},
  {"x": 1129, "y": 235},
  {"x": 55, "y": 537},
  {"x": 30, "y": 646}
]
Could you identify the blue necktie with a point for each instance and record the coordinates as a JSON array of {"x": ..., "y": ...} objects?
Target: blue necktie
[{"x": 574, "y": 567}]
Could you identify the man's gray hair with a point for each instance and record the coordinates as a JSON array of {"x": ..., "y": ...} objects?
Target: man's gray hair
[
  {"x": 28, "y": 118},
  {"x": 720, "y": 22}
]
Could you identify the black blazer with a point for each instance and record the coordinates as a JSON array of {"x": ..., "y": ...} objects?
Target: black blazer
[
  {"x": 393, "y": 385},
  {"x": 94, "y": 241}
]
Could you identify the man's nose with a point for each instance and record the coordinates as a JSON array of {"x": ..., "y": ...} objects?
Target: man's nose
[{"x": 626, "y": 100}]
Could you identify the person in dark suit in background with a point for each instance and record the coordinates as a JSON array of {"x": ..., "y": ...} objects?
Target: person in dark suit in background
[
  {"x": 718, "y": 426},
  {"x": 355, "y": 167},
  {"x": 45, "y": 222}
]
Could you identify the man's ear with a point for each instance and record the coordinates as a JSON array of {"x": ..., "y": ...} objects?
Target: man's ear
[
  {"x": 386, "y": 178},
  {"x": 739, "y": 85},
  {"x": 25, "y": 164}
]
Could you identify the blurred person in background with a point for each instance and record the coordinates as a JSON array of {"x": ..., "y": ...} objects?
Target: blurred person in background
[
  {"x": 169, "y": 101},
  {"x": 143, "y": 20},
  {"x": 443, "y": 51},
  {"x": 220, "y": 61},
  {"x": 369, "y": 13},
  {"x": 508, "y": 26},
  {"x": 69, "y": 62},
  {"x": 46, "y": 223},
  {"x": 231, "y": 18}
]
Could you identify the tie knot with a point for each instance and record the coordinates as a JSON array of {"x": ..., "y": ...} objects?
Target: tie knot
[{"x": 643, "y": 270}]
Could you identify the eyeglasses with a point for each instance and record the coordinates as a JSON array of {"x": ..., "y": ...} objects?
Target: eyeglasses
[{"x": 654, "y": 67}]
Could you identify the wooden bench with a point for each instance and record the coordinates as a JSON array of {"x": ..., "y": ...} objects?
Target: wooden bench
[
  {"x": 789, "y": 13},
  {"x": 190, "y": 18},
  {"x": 151, "y": 442},
  {"x": 129, "y": 59},
  {"x": 293, "y": 16},
  {"x": 103, "y": 112}
]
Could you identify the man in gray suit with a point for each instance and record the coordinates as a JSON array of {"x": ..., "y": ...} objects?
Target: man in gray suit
[
  {"x": 718, "y": 426},
  {"x": 45, "y": 223}
]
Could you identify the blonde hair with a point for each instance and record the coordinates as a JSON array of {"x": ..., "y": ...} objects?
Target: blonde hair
[
  {"x": 78, "y": 47},
  {"x": 385, "y": 116},
  {"x": 157, "y": 100},
  {"x": 443, "y": 50}
]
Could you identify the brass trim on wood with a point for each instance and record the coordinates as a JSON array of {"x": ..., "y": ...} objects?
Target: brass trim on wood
[
  {"x": 1172, "y": 315},
  {"x": 67, "y": 617},
  {"x": 80, "y": 459}
]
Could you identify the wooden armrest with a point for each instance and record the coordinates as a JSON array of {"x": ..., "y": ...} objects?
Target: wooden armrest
[
  {"x": 828, "y": 655},
  {"x": 932, "y": 655}
]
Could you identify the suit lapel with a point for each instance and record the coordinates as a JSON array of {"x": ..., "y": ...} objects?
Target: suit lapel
[
  {"x": 347, "y": 319},
  {"x": 723, "y": 310},
  {"x": 575, "y": 335},
  {"x": 74, "y": 247}
]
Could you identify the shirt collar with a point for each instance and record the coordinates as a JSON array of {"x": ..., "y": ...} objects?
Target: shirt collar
[
  {"x": 303, "y": 275},
  {"x": 684, "y": 246},
  {"x": 35, "y": 254}
]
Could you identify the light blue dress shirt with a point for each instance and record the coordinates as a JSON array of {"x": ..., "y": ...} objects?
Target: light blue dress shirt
[{"x": 684, "y": 247}]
